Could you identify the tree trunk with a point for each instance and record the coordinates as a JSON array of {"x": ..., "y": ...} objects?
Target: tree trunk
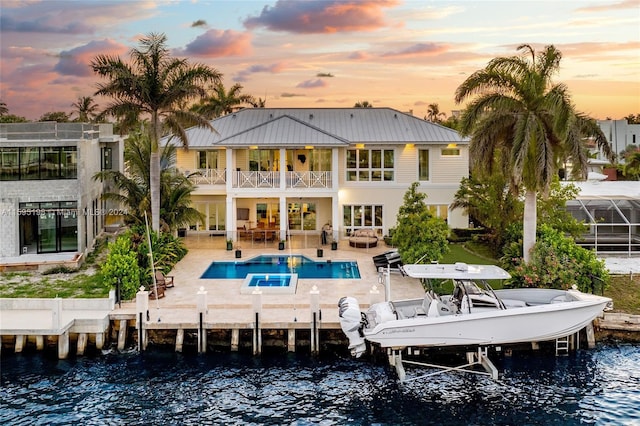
[
  {"x": 154, "y": 172},
  {"x": 154, "y": 186},
  {"x": 529, "y": 225}
]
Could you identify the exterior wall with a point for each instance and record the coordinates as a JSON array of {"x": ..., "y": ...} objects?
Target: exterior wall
[{"x": 620, "y": 134}]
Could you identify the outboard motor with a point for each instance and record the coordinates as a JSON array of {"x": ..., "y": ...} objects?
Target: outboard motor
[{"x": 350, "y": 321}]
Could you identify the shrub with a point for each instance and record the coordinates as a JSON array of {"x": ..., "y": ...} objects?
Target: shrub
[
  {"x": 121, "y": 266},
  {"x": 556, "y": 262}
]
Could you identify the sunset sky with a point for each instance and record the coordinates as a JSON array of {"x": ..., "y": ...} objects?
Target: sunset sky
[{"x": 399, "y": 54}]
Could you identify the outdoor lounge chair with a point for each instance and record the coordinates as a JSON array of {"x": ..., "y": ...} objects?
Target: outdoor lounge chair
[
  {"x": 160, "y": 293},
  {"x": 164, "y": 280}
]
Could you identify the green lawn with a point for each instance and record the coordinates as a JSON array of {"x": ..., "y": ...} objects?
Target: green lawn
[{"x": 76, "y": 285}]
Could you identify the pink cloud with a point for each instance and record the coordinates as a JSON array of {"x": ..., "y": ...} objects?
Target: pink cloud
[
  {"x": 311, "y": 17},
  {"x": 244, "y": 74},
  {"x": 76, "y": 61},
  {"x": 359, "y": 56},
  {"x": 312, "y": 84},
  {"x": 217, "y": 43},
  {"x": 418, "y": 49}
]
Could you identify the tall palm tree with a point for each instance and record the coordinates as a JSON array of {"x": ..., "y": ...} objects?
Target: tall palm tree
[
  {"x": 519, "y": 116},
  {"x": 154, "y": 85},
  {"x": 85, "y": 108},
  {"x": 131, "y": 189},
  {"x": 223, "y": 102}
]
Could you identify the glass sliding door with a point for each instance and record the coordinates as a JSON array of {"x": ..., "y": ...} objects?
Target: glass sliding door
[{"x": 51, "y": 226}]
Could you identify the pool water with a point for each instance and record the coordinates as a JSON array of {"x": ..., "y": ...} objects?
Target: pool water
[
  {"x": 283, "y": 264},
  {"x": 270, "y": 283}
]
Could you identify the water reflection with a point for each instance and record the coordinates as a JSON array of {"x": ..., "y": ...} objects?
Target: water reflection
[{"x": 599, "y": 387}]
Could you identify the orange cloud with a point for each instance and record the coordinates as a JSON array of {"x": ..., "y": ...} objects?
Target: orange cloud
[
  {"x": 217, "y": 43},
  {"x": 309, "y": 17}
]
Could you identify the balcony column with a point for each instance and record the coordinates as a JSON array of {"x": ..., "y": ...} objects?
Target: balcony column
[
  {"x": 230, "y": 172},
  {"x": 284, "y": 217},
  {"x": 334, "y": 173},
  {"x": 231, "y": 219},
  {"x": 283, "y": 169}
]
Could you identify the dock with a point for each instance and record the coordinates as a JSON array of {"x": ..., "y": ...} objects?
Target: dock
[{"x": 205, "y": 314}]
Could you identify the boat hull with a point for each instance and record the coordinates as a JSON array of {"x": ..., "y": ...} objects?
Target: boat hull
[{"x": 525, "y": 324}]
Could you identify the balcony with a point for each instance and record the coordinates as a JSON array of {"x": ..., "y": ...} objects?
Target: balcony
[{"x": 262, "y": 179}]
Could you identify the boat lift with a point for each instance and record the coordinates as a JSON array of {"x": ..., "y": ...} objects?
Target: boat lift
[{"x": 479, "y": 358}]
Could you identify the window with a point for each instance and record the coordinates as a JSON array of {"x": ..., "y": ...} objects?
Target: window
[
  {"x": 34, "y": 163},
  {"x": 107, "y": 158},
  {"x": 302, "y": 216},
  {"x": 362, "y": 216},
  {"x": 9, "y": 165},
  {"x": 439, "y": 210},
  {"x": 264, "y": 160},
  {"x": 315, "y": 160},
  {"x": 207, "y": 159},
  {"x": 450, "y": 152},
  {"x": 370, "y": 165},
  {"x": 423, "y": 164}
]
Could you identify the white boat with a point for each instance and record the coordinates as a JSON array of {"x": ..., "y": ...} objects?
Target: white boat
[{"x": 473, "y": 315}]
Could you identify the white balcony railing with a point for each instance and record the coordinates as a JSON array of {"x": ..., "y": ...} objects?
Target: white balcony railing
[
  {"x": 208, "y": 177},
  {"x": 247, "y": 179},
  {"x": 308, "y": 179},
  {"x": 255, "y": 179}
]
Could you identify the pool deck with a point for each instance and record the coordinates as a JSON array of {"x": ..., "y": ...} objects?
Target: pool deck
[{"x": 227, "y": 305}]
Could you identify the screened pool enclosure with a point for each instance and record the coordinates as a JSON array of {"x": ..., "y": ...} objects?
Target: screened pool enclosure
[{"x": 612, "y": 212}]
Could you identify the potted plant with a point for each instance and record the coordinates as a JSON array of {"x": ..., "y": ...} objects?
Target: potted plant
[
  {"x": 238, "y": 252},
  {"x": 320, "y": 252},
  {"x": 281, "y": 245},
  {"x": 334, "y": 245},
  {"x": 229, "y": 244}
]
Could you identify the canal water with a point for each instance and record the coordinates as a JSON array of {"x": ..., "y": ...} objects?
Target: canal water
[{"x": 600, "y": 386}]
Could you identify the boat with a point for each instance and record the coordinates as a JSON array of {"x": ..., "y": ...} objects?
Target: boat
[{"x": 474, "y": 314}]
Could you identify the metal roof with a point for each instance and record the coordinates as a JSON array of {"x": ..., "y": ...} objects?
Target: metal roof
[
  {"x": 321, "y": 127},
  {"x": 283, "y": 131}
]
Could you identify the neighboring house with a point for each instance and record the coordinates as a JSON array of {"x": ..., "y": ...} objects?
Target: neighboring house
[
  {"x": 294, "y": 170},
  {"x": 620, "y": 134},
  {"x": 49, "y": 201}
]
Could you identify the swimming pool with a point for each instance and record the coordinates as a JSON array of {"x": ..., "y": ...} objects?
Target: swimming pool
[{"x": 281, "y": 264}]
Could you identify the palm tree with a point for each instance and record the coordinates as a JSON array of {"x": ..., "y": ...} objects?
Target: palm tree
[
  {"x": 520, "y": 117},
  {"x": 131, "y": 189},
  {"x": 154, "y": 84},
  {"x": 433, "y": 113},
  {"x": 363, "y": 104},
  {"x": 632, "y": 165},
  {"x": 85, "y": 108},
  {"x": 223, "y": 102}
]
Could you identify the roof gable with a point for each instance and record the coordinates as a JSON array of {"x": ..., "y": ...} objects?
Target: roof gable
[{"x": 283, "y": 131}]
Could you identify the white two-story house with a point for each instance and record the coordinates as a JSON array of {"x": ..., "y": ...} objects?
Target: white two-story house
[{"x": 294, "y": 170}]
